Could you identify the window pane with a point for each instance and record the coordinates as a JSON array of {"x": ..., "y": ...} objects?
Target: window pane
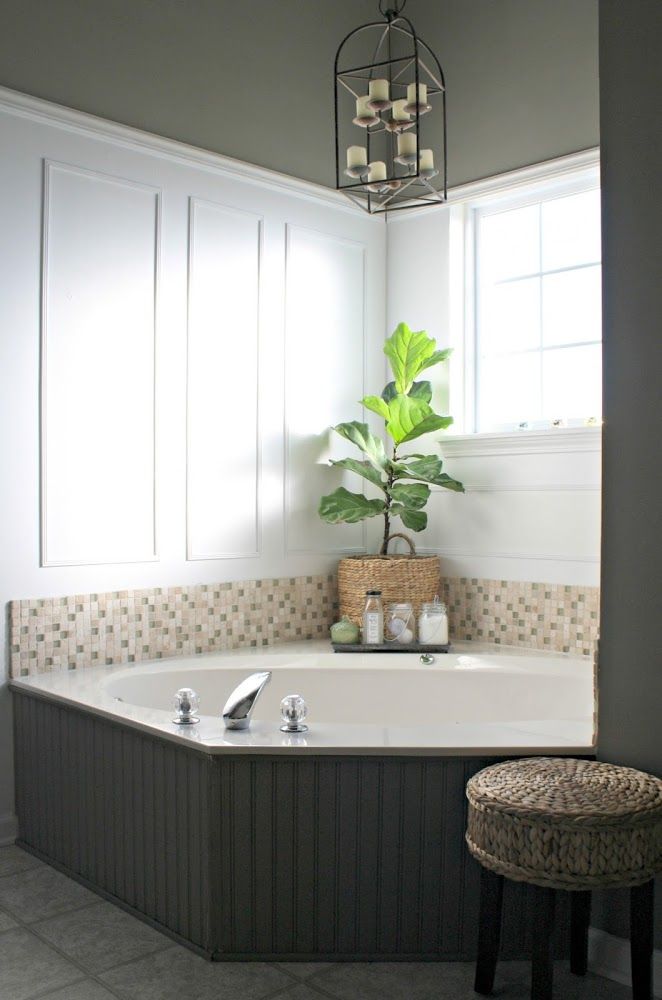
[
  {"x": 510, "y": 243},
  {"x": 572, "y": 382},
  {"x": 508, "y": 390},
  {"x": 571, "y": 231},
  {"x": 572, "y": 306},
  {"x": 510, "y": 317}
]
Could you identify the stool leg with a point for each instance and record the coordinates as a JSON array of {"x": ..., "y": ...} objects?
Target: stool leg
[
  {"x": 489, "y": 930},
  {"x": 641, "y": 940},
  {"x": 580, "y": 913},
  {"x": 542, "y": 967}
]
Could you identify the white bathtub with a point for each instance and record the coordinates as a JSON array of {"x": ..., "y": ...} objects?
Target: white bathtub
[{"x": 475, "y": 700}]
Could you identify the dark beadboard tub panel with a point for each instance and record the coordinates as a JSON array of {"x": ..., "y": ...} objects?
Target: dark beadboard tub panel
[{"x": 251, "y": 856}]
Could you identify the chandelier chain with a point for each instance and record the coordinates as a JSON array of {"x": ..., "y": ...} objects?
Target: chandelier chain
[{"x": 394, "y": 8}]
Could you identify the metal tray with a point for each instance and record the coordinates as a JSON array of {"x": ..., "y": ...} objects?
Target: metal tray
[{"x": 390, "y": 647}]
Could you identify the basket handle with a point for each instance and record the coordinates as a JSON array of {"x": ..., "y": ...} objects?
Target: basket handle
[{"x": 400, "y": 534}]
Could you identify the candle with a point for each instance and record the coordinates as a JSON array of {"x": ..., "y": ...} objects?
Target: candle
[
  {"x": 357, "y": 156},
  {"x": 362, "y": 109},
  {"x": 398, "y": 113},
  {"x": 377, "y": 171},
  {"x": 427, "y": 159},
  {"x": 407, "y": 144},
  {"x": 378, "y": 90},
  {"x": 422, "y": 94}
]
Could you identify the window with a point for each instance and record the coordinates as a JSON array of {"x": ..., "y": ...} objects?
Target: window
[{"x": 534, "y": 360}]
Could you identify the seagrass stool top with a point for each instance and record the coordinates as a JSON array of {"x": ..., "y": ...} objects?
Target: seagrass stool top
[{"x": 566, "y": 824}]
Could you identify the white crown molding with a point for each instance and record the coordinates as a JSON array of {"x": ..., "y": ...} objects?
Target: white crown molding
[
  {"x": 542, "y": 442},
  {"x": 79, "y": 122},
  {"x": 547, "y": 170}
]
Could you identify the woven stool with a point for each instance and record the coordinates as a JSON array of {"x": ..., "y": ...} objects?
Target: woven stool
[{"x": 577, "y": 825}]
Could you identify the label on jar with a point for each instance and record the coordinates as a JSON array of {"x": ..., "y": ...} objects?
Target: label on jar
[{"x": 371, "y": 628}]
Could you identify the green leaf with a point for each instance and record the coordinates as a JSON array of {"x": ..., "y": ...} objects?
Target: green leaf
[
  {"x": 437, "y": 358},
  {"x": 419, "y": 390},
  {"x": 416, "y": 520},
  {"x": 426, "y": 469},
  {"x": 412, "y": 495},
  {"x": 376, "y": 404},
  {"x": 359, "y": 434},
  {"x": 364, "y": 469},
  {"x": 410, "y": 352},
  {"x": 341, "y": 505},
  {"x": 405, "y": 414},
  {"x": 432, "y": 422}
]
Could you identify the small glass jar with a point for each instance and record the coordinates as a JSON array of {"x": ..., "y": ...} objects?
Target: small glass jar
[
  {"x": 373, "y": 619},
  {"x": 433, "y": 624},
  {"x": 399, "y": 623}
]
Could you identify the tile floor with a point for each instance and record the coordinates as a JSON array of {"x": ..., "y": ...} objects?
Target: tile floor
[{"x": 61, "y": 942}]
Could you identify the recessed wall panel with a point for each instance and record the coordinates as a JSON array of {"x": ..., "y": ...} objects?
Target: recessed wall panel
[
  {"x": 100, "y": 260},
  {"x": 223, "y": 486},
  {"x": 324, "y": 375}
]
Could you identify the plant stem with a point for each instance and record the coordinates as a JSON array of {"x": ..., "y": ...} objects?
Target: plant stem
[{"x": 387, "y": 519}]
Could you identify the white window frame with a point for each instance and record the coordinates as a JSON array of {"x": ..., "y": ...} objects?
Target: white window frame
[{"x": 566, "y": 175}]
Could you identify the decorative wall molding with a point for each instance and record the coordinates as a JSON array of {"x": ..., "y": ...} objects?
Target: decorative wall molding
[
  {"x": 50, "y": 170},
  {"x": 564, "y": 440},
  {"x": 290, "y": 388},
  {"x": 81, "y": 123},
  {"x": 252, "y": 374}
]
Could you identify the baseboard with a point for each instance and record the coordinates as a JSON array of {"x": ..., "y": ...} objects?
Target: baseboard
[
  {"x": 8, "y": 829},
  {"x": 609, "y": 956}
]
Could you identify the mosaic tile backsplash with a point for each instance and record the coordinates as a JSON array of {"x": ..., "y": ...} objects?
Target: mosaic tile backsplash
[{"x": 68, "y": 633}]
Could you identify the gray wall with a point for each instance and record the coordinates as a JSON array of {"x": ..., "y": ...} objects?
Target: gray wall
[
  {"x": 253, "y": 79},
  {"x": 630, "y": 649}
]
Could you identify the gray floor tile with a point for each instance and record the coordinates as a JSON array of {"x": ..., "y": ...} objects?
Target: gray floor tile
[
  {"x": 41, "y": 892},
  {"x": 29, "y": 967},
  {"x": 6, "y": 921},
  {"x": 303, "y": 970},
  {"x": 87, "y": 989},
  {"x": 301, "y": 991},
  {"x": 177, "y": 974},
  {"x": 13, "y": 860},
  {"x": 101, "y": 936}
]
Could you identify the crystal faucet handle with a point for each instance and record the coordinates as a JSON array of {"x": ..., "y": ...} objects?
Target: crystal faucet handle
[
  {"x": 293, "y": 711},
  {"x": 187, "y": 704}
]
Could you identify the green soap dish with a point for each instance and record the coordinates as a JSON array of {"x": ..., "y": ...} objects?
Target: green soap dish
[{"x": 344, "y": 631}]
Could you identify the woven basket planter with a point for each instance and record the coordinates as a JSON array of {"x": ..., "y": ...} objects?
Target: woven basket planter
[
  {"x": 566, "y": 824},
  {"x": 400, "y": 578}
]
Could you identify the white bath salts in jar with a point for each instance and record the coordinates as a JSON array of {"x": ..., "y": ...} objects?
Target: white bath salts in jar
[{"x": 433, "y": 624}]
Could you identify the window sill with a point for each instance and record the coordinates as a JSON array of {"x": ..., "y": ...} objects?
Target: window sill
[{"x": 537, "y": 442}]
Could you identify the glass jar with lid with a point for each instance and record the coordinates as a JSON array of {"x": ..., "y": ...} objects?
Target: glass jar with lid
[
  {"x": 399, "y": 623},
  {"x": 373, "y": 618},
  {"x": 433, "y": 624}
]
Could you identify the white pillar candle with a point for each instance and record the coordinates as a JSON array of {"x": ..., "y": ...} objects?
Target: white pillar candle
[
  {"x": 422, "y": 94},
  {"x": 398, "y": 113},
  {"x": 377, "y": 171},
  {"x": 362, "y": 109},
  {"x": 407, "y": 144},
  {"x": 427, "y": 159},
  {"x": 357, "y": 156},
  {"x": 378, "y": 90}
]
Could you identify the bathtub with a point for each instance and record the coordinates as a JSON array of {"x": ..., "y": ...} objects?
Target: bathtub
[
  {"x": 346, "y": 842},
  {"x": 477, "y": 699}
]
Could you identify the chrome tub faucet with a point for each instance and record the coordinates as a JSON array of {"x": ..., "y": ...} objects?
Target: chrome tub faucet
[{"x": 239, "y": 706}]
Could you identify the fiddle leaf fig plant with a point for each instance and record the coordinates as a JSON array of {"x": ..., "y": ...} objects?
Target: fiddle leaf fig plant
[{"x": 404, "y": 480}]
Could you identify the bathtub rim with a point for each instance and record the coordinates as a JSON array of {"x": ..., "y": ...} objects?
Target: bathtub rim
[{"x": 520, "y": 738}]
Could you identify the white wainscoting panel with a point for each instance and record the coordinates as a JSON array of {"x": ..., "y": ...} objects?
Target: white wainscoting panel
[
  {"x": 100, "y": 267},
  {"x": 222, "y": 392},
  {"x": 325, "y": 346}
]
